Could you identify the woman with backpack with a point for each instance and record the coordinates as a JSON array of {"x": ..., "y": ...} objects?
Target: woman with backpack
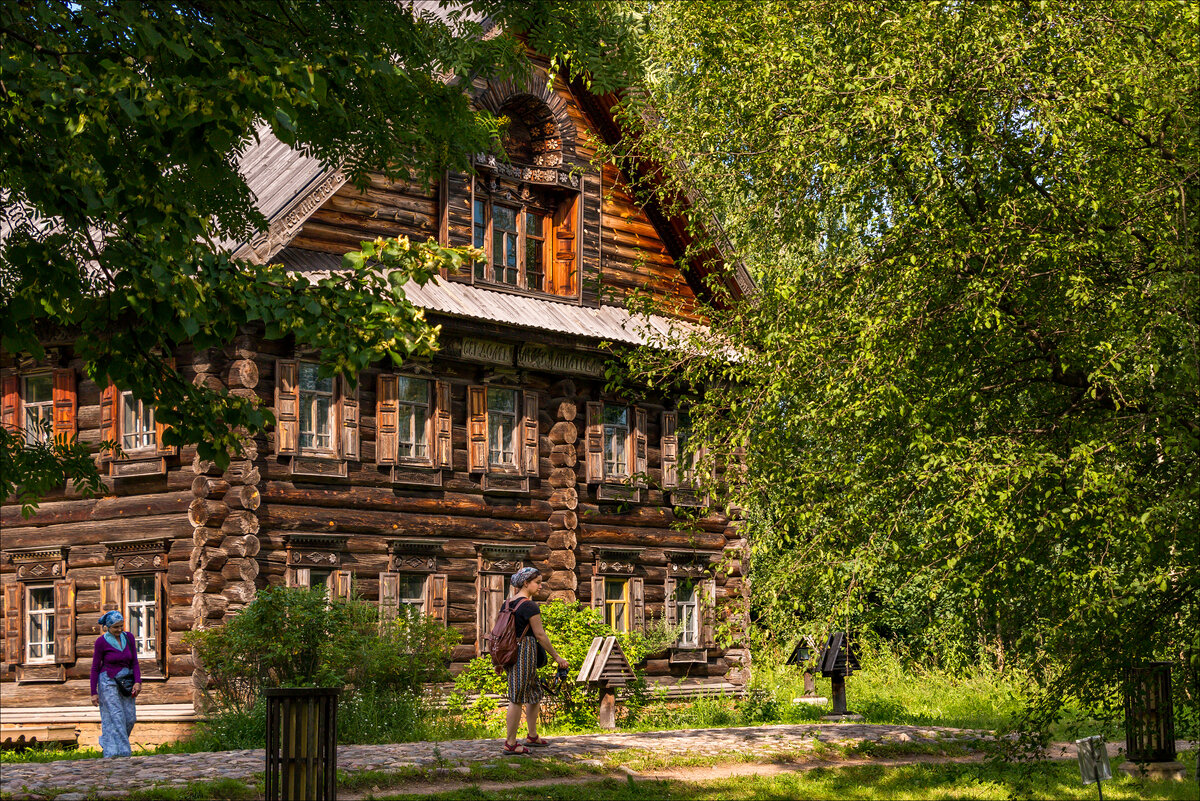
[{"x": 532, "y": 645}]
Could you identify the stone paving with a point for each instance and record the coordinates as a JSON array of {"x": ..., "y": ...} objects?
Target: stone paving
[{"x": 68, "y": 780}]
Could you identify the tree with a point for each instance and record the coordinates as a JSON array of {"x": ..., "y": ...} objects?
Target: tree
[
  {"x": 968, "y": 380},
  {"x": 120, "y": 129}
]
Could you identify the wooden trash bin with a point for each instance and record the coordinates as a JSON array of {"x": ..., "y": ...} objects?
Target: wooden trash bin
[{"x": 302, "y": 743}]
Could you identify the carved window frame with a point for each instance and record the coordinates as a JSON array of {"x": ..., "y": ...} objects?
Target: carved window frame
[
  {"x": 497, "y": 563},
  {"x": 39, "y": 567},
  {"x": 143, "y": 558},
  {"x": 346, "y": 444},
  {"x": 305, "y": 553},
  {"x": 63, "y": 404}
]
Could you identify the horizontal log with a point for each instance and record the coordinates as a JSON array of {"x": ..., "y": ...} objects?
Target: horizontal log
[
  {"x": 204, "y": 581},
  {"x": 247, "y": 497},
  {"x": 563, "y": 389},
  {"x": 385, "y": 499},
  {"x": 209, "y": 381},
  {"x": 204, "y": 535},
  {"x": 241, "y": 522},
  {"x": 241, "y": 545},
  {"x": 563, "y": 580},
  {"x": 203, "y": 512},
  {"x": 565, "y": 540},
  {"x": 205, "y": 467},
  {"x": 564, "y": 409},
  {"x": 209, "y": 487},
  {"x": 563, "y": 433},
  {"x": 597, "y": 536},
  {"x": 242, "y": 373},
  {"x": 208, "y": 360},
  {"x": 564, "y": 519},
  {"x": 241, "y": 592},
  {"x": 176, "y": 594},
  {"x": 286, "y": 517},
  {"x": 564, "y": 498},
  {"x": 564, "y": 456},
  {"x": 241, "y": 570},
  {"x": 179, "y": 572},
  {"x": 179, "y": 618},
  {"x": 108, "y": 508},
  {"x": 561, "y": 560},
  {"x": 209, "y": 607},
  {"x": 208, "y": 558},
  {"x": 561, "y": 477}
]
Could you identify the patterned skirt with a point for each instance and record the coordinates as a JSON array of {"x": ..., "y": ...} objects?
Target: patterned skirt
[{"x": 523, "y": 684}]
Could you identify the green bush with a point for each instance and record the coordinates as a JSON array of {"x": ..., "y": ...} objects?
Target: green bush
[{"x": 300, "y": 638}]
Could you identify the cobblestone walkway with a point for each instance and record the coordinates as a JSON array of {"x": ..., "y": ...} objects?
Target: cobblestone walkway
[{"x": 71, "y": 780}]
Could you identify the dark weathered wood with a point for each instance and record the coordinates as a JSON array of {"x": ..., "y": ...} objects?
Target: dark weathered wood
[
  {"x": 209, "y": 607},
  {"x": 564, "y": 456},
  {"x": 209, "y": 487},
  {"x": 246, "y": 497},
  {"x": 564, "y": 519},
  {"x": 205, "y": 467},
  {"x": 241, "y": 545},
  {"x": 242, "y": 373},
  {"x": 241, "y": 570},
  {"x": 204, "y": 535},
  {"x": 108, "y": 508}
]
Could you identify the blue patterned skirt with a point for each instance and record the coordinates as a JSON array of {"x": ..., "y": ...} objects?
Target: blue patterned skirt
[{"x": 523, "y": 684}]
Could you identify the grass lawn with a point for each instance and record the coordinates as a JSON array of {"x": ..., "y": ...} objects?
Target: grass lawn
[{"x": 1046, "y": 780}]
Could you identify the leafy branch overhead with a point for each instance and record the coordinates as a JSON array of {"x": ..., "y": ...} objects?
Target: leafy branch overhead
[
  {"x": 121, "y": 130},
  {"x": 968, "y": 380}
]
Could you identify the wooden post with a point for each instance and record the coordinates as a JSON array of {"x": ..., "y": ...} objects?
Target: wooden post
[
  {"x": 608, "y": 707},
  {"x": 839, "y": 695}
]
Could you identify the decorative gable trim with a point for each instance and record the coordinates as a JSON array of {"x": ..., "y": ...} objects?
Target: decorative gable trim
[
  {"x": 502, "y": 558},
  {"x": 284, "y": 227}
]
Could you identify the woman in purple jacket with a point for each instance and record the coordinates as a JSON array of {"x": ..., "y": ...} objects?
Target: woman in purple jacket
[{"x": 115, "y": 665}]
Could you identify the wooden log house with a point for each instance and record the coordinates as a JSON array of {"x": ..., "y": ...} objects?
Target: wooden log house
[{"x": 426, "y": 485}]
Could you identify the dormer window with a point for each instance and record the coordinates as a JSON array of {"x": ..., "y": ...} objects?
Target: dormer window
[{"x": 516, "y": 231}]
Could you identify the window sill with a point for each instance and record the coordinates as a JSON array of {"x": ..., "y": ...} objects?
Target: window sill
[
  {"x": 504, "y": 483},
  {"x": 42, "y": 673},
  {"x": 137, "y": 465},
  {"x": 608, "y": 491},
  {"x": 418, "y": 475},
  {"x": 482, "y": 283},
  {"x": 688, "y": 656},
  {"x": 318, "y": 466}
]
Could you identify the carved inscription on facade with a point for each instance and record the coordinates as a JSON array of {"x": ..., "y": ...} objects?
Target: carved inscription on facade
[
  {"x": 480, "y": 350},
  {"x": 537, "y": 357}
]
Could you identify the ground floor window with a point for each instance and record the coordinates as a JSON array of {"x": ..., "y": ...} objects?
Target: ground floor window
[
  {"x": 616, "y": 603},
  {"x": 687, "y": 611},
  {"x": 141, "y": 618},
  {"x": 39, "y": 640}
]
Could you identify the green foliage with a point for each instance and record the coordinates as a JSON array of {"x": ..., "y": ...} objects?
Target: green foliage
[
  {"x": 121, "y": 130},
  {"x": 28, "y": 472},
  {"x": 967, "y": 383}
]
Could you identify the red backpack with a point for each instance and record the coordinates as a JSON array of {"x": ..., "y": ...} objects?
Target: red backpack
[{"x": 504, "y": 639}]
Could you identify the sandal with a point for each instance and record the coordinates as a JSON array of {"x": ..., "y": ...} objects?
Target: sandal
[
  {"x": 515, "y": 750},
  {"x": 537, "y": 742}
]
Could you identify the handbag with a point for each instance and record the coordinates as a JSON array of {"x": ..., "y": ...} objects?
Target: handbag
[{"x": 125, "y": 685}]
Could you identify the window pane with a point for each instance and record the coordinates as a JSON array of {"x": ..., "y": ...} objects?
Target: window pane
[
  {"x": 480, "y": 224},
  {"x": 501, "y": 438},
  {"x": 312, "y": 382},
  {"x": 142, "y": 621},
  {"x": 412, "y": 590},
  {"x": 413, "y": 390},
  {"x": 504, "y": 219},
  {"x": 533, "y": 264},
  {"x": 318, "y": 579},
  {"x": 420, "y": 431},
  {"x": 39, "y": 388},
  {"x": 502, "y": 400},
  {"x": 510, "y": 261},
  {"x": 533, "y": 224},
  {"x": 616, "y": 415}
]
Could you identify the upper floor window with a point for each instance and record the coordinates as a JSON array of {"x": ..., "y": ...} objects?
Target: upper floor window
[
  {"x": 316, "y": 409},
  {"x": 616, "y": 441},
  {"x": 39, "y": 407},
  {"x": 502, "y": 427},
  {"x": 514, "y": 237},
  {"x": 616, "y": 444},
  {"x": 137, "y": 423},
  {"x": 413, "y": 402}
]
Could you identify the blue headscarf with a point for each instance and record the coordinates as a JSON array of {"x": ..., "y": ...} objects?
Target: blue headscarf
[
  {"x": 523, "y": 576},
  {"x": 111, "y": 618}
]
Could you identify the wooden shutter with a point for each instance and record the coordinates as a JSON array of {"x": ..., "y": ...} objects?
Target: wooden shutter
[
  {"x": 389, "y": 596},
  {"x": 14, "y": 599},
  {"x": 301, "y": 577},
  {"x": 598, "y": 593},
  {"x": 562, "y": 273},
  {"x": 287, "y": 407},
  {"x": 111, "y": 596},
  {"x": 159, "y": 428},
  {"x": 161, "y": 608},
  {"x": 491, "y": 598},
  {"x": 436, "y": 596},
  {"x": 640, "y": 462},
  {"x": 340, "y": 581},
  {"x": 594, "y": 460},
  {"x": 529, "y": 457},
  {"x": 348, "y": 403},
  {"x": 637, "y": 603},
  {"x": 66, "y": 405},
  {"x": 477, "y": 447},
  {"x": 10, "y": 409},
  {"x": 707, "y": 609},
  {"x": 443, "y": 445},
  {"x": 670, "y": 610},
  {"x": 109, "y": 429},
  {"x": 64, "y": 621},
  {"x": 669, "y": 448},
  {"x": 387, "y": 419}
]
